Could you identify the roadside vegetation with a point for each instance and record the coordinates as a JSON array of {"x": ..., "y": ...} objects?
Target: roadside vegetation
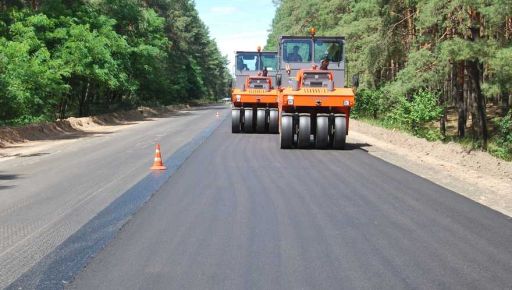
[
  {"x": 438, "y": 69},
  {"x": 61, "y": 58}
]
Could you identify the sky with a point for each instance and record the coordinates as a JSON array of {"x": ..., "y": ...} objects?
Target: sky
[{"x": 237, "y": 24}]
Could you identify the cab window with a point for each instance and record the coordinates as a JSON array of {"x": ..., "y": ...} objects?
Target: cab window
[
  {"x": 333, "y": 50},
  {"x": 269, "y": 61},
  {"x": 296, "y": 51},
  {"x": 247, "y": 61}
]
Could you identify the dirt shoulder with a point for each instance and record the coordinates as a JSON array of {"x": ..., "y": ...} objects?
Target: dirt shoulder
[
  {"x": 474, "y": 174},
  {"x": 29, "y": 140}
]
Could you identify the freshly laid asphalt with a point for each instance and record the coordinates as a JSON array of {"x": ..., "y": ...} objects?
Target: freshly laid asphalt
[{"x": 243, "y": 214}]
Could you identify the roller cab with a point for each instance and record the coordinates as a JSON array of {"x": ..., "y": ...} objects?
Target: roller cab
[{"x": 254, "y": 94}]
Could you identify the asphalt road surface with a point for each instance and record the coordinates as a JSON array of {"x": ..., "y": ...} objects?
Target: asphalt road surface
[
  {"x": 48, "y": 196},
  {"x": 243, "y": 214}
]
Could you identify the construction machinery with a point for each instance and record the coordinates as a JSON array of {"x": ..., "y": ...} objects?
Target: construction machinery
[
  {"x": 254, "y": 94},
  {"x": 314, "y": 104}
]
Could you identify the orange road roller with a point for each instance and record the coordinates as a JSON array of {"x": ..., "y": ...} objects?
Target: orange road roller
[
  {"x": 255, "y": 94},
  {"x": 314, "y": 104}
]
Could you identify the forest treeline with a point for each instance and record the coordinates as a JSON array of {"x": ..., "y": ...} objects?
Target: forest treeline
[
  {"x": 421, "y": 61},
  {"x": 79, "y": 57}
]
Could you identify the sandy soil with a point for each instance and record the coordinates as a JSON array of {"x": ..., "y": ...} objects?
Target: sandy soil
[{"x": 474, "y": 174}]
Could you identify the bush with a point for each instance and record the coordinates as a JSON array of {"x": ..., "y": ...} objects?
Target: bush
[
  {"x": 368, "y": 104},
  {"x": 504, "y": 129},
  {"x": 414, "y": 114},
  {"x": 501, "y": 145}
]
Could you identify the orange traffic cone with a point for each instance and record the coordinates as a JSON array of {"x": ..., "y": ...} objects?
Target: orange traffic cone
[{"x": 158, "y": 164}]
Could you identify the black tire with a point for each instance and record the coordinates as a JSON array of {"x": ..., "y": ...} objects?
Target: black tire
[
  {"x": 286, "y": 131},
  {"x": 235, "y": 121},
  {"x": 304, "y": 135},
  {"x": 273, "y": 121},
  {"x": 261, "y": 120},
  {"x": 340, "y": 132},
  {"x": 248, "y": 120},
  {"x": 322, "y": 131}
]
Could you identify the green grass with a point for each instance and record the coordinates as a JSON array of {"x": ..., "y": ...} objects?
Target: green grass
[
  {"x": 498, "y": 151},
  {"x": 25, "y": 120},
  {"x": 432, "y": 134}
]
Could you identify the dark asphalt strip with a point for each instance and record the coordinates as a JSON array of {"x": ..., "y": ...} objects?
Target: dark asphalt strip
[
  {"x": 243, "y": 214},
  {"x": 60, "y": 267}
]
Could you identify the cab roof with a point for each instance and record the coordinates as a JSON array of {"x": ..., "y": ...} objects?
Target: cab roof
[
  {"x": 262, "y": 52},
  {"x": 309, "y": 37}
]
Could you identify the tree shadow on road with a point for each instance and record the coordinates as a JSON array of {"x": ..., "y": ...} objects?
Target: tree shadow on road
[
  {"x": 32, "y": 155},
  {"x": 8, "y": 176},
  {"x": 5, "y": 177}
]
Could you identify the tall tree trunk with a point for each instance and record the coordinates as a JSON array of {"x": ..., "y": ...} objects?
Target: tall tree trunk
[
  {"x": 509, "y": 101},
  {"x": 443, "y": 100},
  {"x": 85, "y": 102},
  {"x": 469, "y": 92},
  {"x": 82, "y": 98},
  {"x": 442, "y": 122},
  {"x": 392, "y": 70},
  {"x": 458, "y": 90},
  {"x": 63, "y": 107},
  {"x": 475, "y": 73},
  {"x": 507, "y": 33},
  {"x": 409, "y": 13},
  {"x": 504, "y": 104}
]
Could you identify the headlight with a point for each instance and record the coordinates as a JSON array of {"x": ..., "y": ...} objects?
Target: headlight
[
  {"x": 346, "y": 103},
  {"x": 238, "y": 98},
  {"x": 290, "y": 100}
]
